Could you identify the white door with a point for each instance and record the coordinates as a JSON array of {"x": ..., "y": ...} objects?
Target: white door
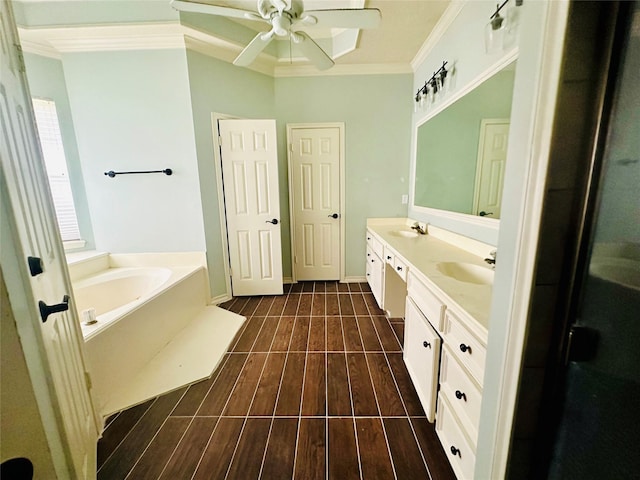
[
  {"x": 492, "y": 157},
  {"x": 252, "y": 203},
  {"x": 314, "y": 157},
  {"x": 56, "y": 344}
]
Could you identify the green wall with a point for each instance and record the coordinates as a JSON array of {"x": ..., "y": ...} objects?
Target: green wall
[
  {"x": 376, "y": 110},
  {"x": 46, "y": 80}
]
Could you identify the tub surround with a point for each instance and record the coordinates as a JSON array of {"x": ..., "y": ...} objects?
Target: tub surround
[{"x": 167, "y": 338}]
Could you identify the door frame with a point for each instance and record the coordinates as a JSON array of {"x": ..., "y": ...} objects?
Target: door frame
[
  {"x": 341, "y": 171},
  {"x": 480, "y": 160}
]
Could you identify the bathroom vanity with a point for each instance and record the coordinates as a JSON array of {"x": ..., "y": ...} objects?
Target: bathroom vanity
[{"x": 440, "y": 284}]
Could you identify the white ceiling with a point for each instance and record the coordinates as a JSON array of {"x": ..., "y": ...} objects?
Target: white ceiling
[{"x": 404, "y": 27}]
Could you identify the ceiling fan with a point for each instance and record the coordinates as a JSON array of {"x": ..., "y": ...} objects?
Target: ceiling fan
[{"x": 285, "y": 17}]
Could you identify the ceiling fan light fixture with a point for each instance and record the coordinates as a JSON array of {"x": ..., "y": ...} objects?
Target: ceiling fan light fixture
[{"x": 281, "y": 24}]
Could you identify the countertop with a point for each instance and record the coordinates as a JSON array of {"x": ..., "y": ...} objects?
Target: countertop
[{"x": 424, "y": 252}]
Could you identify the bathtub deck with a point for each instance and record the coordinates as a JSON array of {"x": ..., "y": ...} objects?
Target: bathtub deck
[{"x": 191, "y": 356}]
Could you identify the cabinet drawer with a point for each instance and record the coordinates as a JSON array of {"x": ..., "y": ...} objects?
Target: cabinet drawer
[
  {"x": 461, "y": 392},
  {"x": 422, "y": 357},
  {"x": 396, "y": 263},
  {"x": 465, "y": 346},
  {"x": 426, "y": 300},
  {"x": 458, "y": 450},
  {"x": 375, "y": 245}
]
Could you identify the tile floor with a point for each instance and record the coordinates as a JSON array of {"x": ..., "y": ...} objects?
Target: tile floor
[{"x": 312, "y": 387}]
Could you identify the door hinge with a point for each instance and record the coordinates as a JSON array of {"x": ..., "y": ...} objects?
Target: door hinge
[
  {"x": 582, "y": 344},
  {"x": 21, "y": 66},
  {"x": 87, "y": 379}
]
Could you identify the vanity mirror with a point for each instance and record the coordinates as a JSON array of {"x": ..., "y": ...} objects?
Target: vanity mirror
[{"x": 461, "y": 151}]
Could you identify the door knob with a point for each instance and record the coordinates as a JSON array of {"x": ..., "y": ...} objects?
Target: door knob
[
  {"x": 333, "y": 215},
  {"x": 46, "y": 310},
  {"x": 484, "y": 214},
  {"x": 274, "y": 221}
]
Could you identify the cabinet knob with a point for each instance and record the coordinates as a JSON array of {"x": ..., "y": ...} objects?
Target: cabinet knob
[
  {"x": 368, "y": 254},
  {"x": 465, "y": 348},
  {"x": 399, "y": 269},
  {"x": 388, "y": 257},
  {"x": 455, "y": 451},
  {"x": 372, "y": 260},
  {"x": 368, "y": 238},
  {"x": 368, "y": 274},
  {"x": 426, "y": 344},
  {"x": 461, "y": 395}
]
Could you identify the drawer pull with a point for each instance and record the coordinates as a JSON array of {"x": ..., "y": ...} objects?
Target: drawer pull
[
  {"x": 388, "y": 257},
  {"x": 465, "y": 348},
  {"x": 455, "y": 451},
  {"x": 368, "y": 254},
  {"x": 399, "y": 269},
  {"x": 368, "y": 274},
  {"x": 461, "y": 395},
  {"x": 426, "y": 344},
  {"x": 368, "y": 238}
]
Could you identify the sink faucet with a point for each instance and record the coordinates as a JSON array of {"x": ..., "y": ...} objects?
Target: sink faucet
[
  {"x": 492, "y": 258},
  {"x": 416, "y": 226}
]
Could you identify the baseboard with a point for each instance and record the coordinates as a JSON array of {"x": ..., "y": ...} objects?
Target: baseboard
[
  {"x": 287, "y": 280},
  {"x": 220, "y": 299},
  {"x": 354, "y": 280}
]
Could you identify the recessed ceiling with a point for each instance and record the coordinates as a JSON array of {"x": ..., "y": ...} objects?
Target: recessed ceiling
[{"x": 404, "y": 27}]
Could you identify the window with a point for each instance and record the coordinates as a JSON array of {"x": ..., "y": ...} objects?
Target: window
[{"x": 56, "y": 164}]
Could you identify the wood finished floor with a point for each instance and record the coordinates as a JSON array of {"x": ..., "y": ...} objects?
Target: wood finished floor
[{"x": 313, "y": 387}]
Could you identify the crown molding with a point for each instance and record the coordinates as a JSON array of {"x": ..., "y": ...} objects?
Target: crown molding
[
  {"x": 346, "y": 69},
  {"x": 449, "y": 15}
]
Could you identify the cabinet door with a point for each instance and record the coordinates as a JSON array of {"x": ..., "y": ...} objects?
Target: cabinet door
[
  {"x": 422, "y": 357},
  {"x": 375, "y": 269}
]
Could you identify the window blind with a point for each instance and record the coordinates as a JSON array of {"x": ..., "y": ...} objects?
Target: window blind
[{"x": 56, "y": 165}]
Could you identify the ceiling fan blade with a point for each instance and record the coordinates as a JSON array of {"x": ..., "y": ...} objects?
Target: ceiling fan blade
[
  {"x": 343, "y": 18},
  {"x": 313, "y": 51},
  {"x": 183, "y": 6},
  {"x": 251, "y": 51}
]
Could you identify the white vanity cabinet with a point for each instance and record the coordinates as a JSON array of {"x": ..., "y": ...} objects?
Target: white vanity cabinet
[{"x": 375, "y": 267}]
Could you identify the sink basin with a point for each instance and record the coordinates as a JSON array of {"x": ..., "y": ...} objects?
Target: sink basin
[
  {"x": 466, "y": 272},
  {"x": 405, "y": 233},
  {"x": 623, "y": 271}
]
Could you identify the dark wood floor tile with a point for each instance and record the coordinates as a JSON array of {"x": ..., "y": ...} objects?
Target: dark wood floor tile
[
  {"x": 156, "y": 456},
  {"x": 338, "y": 395},
  {"x": 398, "y": 329},
  {"x": 226, "y": 305},
  {"x": 343, "y": 287},
  {"x": 319, "y": 287},
  {"x": 248, "y": 337},
  {"x": 118, "y": 429},
  {"x": 332, "y": 304},
  {"x": 218, "y": 395},
  {"x": 364, "y": 287},
  {"x": 191, "y": 400},
  {"x": 247, "y": 460},
  {"x": 346, "y": 307},
  {"x": 307, "y": 287},
  {"x": 217, "y": 456},
  {"x": 331, "y": 287},
  {"x": 238, "y": 304},
  {"x": 318, "y": 307},
  {"x": 368, "y": 333},
  {"x": 311, "y": 450},
  {"x": 300, "y": 336},
  {"x": 244, "y": 390},
  {"x": 264, "y": 402},
  {"x": 283, "y": 334},
  {"x": 250, "y": 307},
  {"x": 359, "y": 305},
  {"x": 277, "y": 306},
  {"x": 437, "y": 461},
  {"x": 291, "y": 308},
  {"x": 405, "y": 385},
  {"x": 317, "y": 335},
  {"x": 281, "y": 449},
  {"x": 304, "y": 307},
  {"x": 131, "y": 448},
  {"x": 373, "y": 306},
  {"x": 386, "y": 335},
  {"x": 364, "y": 400},
  {"x": 286, "y": 288},
  {"x": 290, "y": 396},
  {"x": 185, "y": 459},
  {"x": 404, "y": 450},
  {"x": 352, "y": 341},
  {"x": 354, "y": 287},
  {"x": 265, "y": 305},
  {"x": 296, "y": 287},
  {"x": 384, "y": 385},
  {"x": 343, "y": 454},
  {"x": 314, "y": 398},
  {"x": 265, "y": 337},
  {"x": 335, "y": 342},
  {"x": 374, "y": 453}
]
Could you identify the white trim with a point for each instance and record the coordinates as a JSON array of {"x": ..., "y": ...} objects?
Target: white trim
[
  {"x": 222, "y": 214},
  {"x": 343, "y": 244},
  {"x": 354, "y": 280},
  {"x": 339, "y": 70},
  {"x": 73, "y": 244},
  {"x": 220, "y": 299},
  {"x": 445, "y": 21}
]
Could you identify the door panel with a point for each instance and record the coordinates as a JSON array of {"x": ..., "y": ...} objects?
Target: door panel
[
  {"x": 25, "y": 185},
  {"x": 492, "y": 157},
  {"x": 250, "y": 180},
  {"x": 315, "y": 179}
]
